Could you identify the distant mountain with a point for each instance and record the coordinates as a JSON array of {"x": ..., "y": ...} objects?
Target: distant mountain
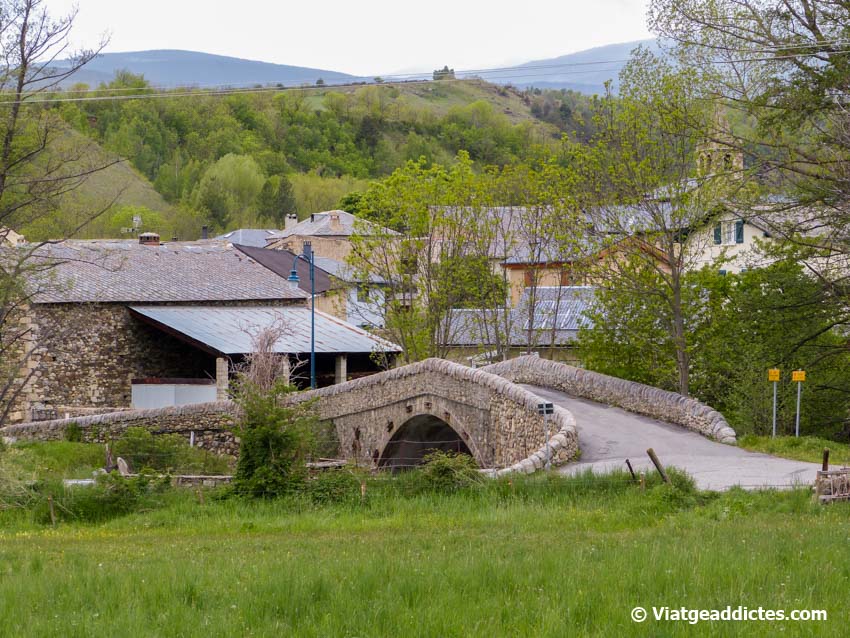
[
  {"x": 584, "y": 71},
  {"x": 169, "y": 68}
]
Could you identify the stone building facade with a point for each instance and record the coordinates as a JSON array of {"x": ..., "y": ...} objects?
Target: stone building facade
[{"x": 86, "y": 336}]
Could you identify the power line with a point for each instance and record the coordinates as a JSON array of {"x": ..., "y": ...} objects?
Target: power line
[{"x": 229, "y": 90}]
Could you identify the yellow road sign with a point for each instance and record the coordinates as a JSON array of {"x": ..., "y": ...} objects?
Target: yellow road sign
[
  {"x": 798, "y": 375},
  {"x": 773, "y": 374}
]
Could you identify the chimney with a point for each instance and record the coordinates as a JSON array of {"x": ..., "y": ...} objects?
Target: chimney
[
  {"x": 290, "y": 221},
  {"x": 335, "y": 225},
  {"x": 205, "y": 232},
  {"x": 149, "y": 239}
]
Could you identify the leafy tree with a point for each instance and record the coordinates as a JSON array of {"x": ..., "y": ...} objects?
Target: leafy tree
[
  {"x": 35, "y": 172},
  {"x": 277, "y": 200},
  {"x": 275, "y": 440},
  {"x": 782, "y": 70},
  {"x": 637, "y": 180},
  {"x": 229, "y": 189}
]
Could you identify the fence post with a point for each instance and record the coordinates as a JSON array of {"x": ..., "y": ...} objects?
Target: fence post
[{"x": 658, "y": 465}]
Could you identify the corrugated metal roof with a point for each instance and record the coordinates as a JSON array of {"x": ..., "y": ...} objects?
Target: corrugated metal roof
[
  {"x": 559, "y": 313},
  {"x": 230, "y": 330}
]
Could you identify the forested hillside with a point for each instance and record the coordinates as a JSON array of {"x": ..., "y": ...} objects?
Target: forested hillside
[{"x": 249, "y": 158}]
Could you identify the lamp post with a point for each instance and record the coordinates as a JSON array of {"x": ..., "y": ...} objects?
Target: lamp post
[{"x": 307, "y": 255}]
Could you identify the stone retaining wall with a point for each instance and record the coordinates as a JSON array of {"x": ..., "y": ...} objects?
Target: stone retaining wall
[
  {"x": 634, "y": 397},
  {"x": 211, "y": 423}
]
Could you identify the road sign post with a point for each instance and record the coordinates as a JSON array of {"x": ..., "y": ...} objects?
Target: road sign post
[
  {"x": 546, "y": 409},
  {"x": 773, "y": 376},
  {"x": 799, "y": 376}
]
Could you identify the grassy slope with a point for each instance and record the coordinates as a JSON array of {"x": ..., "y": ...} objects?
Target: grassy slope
[
  {"x": 118, "y": 183},
  {"x": 540, "y": 557},
  {"x": 804, "y": 448},
  {"x": 439, "y": 97}
]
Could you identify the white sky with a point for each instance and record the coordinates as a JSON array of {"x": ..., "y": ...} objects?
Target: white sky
[{"x": 362, "y": 36}]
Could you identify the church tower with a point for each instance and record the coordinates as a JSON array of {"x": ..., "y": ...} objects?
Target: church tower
[{"x": 717, "y": 154}]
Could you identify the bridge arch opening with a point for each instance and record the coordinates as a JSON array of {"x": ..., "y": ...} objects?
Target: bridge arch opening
[{"x": 418, "y": 436}]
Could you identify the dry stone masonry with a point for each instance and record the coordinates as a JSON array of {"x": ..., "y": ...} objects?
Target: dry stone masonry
[
  {"x": 208, "y": 424},
  {"x": 634, "y": 397},
  {"x": 497, "y": 419}
]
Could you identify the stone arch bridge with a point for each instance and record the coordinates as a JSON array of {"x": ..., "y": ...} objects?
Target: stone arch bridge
[{"x": 393, "y": 418}]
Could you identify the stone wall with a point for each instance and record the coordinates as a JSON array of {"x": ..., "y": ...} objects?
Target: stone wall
[
  {"x": 210, "y": 422},
  {"x": 634, "y": 397},
  {"x": 498, "y": 420},
  {"x": 88, "y": 354}
]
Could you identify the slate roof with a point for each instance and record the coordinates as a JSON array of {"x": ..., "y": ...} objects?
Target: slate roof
[
  {"x": 230, "y": 329},
  {"x": 126, "y": 271},
  {"x": 248, "y": 236},
  {"x": 281, "y": 262},
  {"x": 559, "y": 309},
  {"x": 319, "y": 225}
]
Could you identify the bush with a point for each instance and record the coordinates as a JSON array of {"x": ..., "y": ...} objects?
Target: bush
[
  {"x": 449, "y": 472},
  {"x": 275, "y": 441},
  {"x": 74, "y": 433},
  {"x": 111, "y": 496},
  {"x": 331, "y": 487},
  {"x": 166, "y": 453}
]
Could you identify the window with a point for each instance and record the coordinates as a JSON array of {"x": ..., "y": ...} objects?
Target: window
[
  {"x": 729, "y": 232},
  {"x": 363, "y": 294}
]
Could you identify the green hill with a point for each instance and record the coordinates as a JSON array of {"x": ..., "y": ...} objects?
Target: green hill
[
  {"x": 116, "y": 189},
  {"x": 229, "y": 160}
]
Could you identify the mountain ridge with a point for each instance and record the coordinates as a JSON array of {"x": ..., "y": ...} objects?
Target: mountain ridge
[{"x": 585, "y": 71}]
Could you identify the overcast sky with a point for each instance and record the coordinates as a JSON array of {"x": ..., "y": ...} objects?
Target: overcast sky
[{"x": 362, "y": 36}]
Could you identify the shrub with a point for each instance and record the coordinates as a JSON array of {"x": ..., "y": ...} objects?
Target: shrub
[
  {"x": 166, "y": 453},
  {"x": 111, "y": 496},
  {"x": 74, "y": 433},
  {"x": 449, "y": 472},
  {"x": 334, "y": 487},
  {"x": 275, "y": 441}
]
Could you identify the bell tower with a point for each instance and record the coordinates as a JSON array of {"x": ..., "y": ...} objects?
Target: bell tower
[{"x": 717, "y": 155}]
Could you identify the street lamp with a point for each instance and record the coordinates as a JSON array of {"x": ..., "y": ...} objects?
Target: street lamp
[{"x": 307, "y": 255}]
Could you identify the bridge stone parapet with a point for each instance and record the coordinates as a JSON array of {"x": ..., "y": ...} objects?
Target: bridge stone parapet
[
  {"x": 496, "y": 419},
  {"x": 628, "y": 395}
]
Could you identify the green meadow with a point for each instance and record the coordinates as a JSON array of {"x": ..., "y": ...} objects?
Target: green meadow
[{"x": 529, "y": 556}]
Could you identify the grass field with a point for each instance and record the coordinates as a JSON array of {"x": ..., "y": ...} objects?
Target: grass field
[
  {"x": 804, "y": 448},
  {"x": 540, "y": 556}
]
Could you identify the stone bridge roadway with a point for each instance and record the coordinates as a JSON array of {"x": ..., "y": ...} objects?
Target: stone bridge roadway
[{"x": 607, "y": 436}]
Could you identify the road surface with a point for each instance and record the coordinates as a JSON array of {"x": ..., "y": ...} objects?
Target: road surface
[{"x": 608, "y": 436}]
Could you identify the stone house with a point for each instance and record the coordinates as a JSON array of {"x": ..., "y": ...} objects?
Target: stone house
[
  {"x": 108, "y": 317},
  {"x": 329, "y": 234}
]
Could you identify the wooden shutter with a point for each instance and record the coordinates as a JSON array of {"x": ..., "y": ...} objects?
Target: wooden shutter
[
  {"x": 717, "y": 233},
  {"x": 739, "y": 231}
]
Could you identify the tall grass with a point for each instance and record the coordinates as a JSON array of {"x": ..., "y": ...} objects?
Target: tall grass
[{"x": 528, "y": 556}]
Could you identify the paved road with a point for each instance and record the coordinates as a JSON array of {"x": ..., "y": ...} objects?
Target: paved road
[{"x": 608, "y": 436}]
